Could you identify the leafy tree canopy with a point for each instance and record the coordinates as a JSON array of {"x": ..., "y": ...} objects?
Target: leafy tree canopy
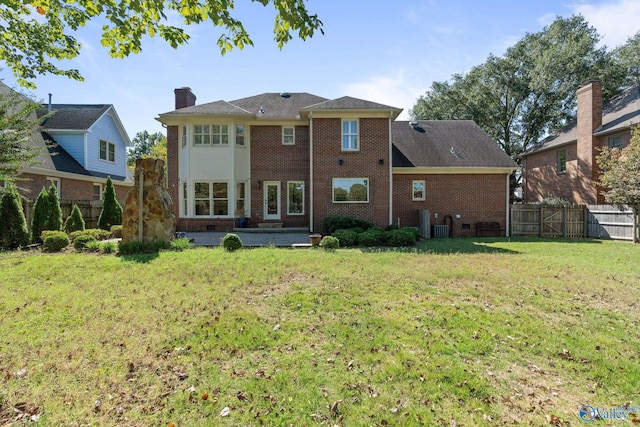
[
  {"x": 37, "y": 33},
  {"x": 620, "y": 176},
  {"x": 145, "y": 144}
]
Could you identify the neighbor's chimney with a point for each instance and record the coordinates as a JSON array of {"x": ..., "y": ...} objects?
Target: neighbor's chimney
[
  {"x": 589, "y": 97},
  {"x": 184, "y": 97},
  {"x": 49, "y": 106}
]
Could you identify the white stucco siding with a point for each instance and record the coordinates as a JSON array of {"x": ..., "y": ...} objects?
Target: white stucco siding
[{"x": 208, "y": 163}]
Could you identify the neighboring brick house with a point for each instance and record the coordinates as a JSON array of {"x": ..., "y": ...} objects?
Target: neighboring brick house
[
  {"x": 564, "y": 165},
  {"x": 293, "y": 159},
  {"x": 79, "y": 146}
]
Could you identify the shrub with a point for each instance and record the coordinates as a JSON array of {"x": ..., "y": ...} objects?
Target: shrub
[
  {"x": 107, "y": 247},
  {"x": 111, "y": 213},
  {"x": 402, "y": 237},
  {"x": 74, "y": 222},
  {"x": 231, "y": 242},
  {"x": 54, "y": 241},
  {"x": 91, "y": 246},
  {"x": 131, "y": 248},
  {"x": 41, "y": 210},
  {"x": 81, "y": 243},
  {"x": 332, "y": 223},
  {"x": 414, "y": 230},
  {"x": 181, "y": 244},
  {"x": 97, "y": 233},
  {"x": 372, "y": 237},
  {"x": 346, "y": 238},
  {"x": 13, "y": 225},
  {"x": 54, "y": 220},
  {"x": 116, "y": 231},
  {"x": 330, "y": 243}
]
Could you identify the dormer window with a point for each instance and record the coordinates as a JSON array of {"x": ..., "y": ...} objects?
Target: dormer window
[
  {"x": 107, "y": 151},
  {"x": 350, "y": 136}
]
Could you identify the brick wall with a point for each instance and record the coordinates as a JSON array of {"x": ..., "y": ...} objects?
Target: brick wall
[
  {"x": 173, "y": 179},
  {"x": 70, "y": 189},
  {"x": 589, "y": 118},
  {"x": 272, "y": 161},
  {"x": 374, "y": 146},
  {"x": 476, "y": 198}
]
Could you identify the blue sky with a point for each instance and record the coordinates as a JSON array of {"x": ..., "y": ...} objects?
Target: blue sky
[{"x": 384, "y": 51}]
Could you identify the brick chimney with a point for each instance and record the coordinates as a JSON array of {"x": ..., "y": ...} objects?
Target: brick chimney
[
  {"x": 184, "y": 97},
  {"x": 589, "y": 97}
]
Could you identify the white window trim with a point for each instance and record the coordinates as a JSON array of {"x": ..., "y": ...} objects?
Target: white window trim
[
  {"x": 293, "y": 128},
  {"x": 413, "y": 190},
  {"x": 99, "y": 185},
  {"x": 184, "y": 136},
  {"x": 289, "y": 199},
  {"x": 357, "y": 135},
  {"x": 185, "y": 198},
  {"x": 558, "y": 162},
  {"x": 333, "y": 193},
  {"x": 244, "y": 135},
  {"x": 614, "y": 138},
  {"x": 108, "y": 144},
  {"x": 240, "y": 212}
]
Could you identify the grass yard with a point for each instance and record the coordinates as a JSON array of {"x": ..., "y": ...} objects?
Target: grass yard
[{"x": 462, "y": 332}]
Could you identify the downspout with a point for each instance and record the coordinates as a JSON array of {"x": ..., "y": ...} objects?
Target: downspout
[
  {"x": 140, "y": 195},
  {"x": 508, "y": 210},
  {"x": 310, "y": 171},
  {"x": 391, "y": 170}
]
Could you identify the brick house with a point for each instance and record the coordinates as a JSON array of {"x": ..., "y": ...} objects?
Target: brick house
[
  {"x": 78, "y": 147},
  {"x": 295, "y": 158},
  {"x": 564, "y": 165}
]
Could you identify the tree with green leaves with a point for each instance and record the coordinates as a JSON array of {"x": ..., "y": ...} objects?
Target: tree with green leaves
[
  {"x": 35, "y": 46},
  {"x": 41, "y": 212},
  {"x": 19, "y": 124},
  {"x": 620, "y": 176},
  {"x": 111, "y": 213},
  {"x": 13, "y": 225},
  {"x": 530, "y": 91},
  {"x": 74, "y": 222},
  {"x": 145, "y": 144},
  {"x": 54, "y": 220}
]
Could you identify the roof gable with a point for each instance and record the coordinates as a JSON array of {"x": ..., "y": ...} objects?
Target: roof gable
[
  {"x": 348, "y": 103},
  {"x": 78, "y": 117},
  {"x": 278, "y": 105},
  {"x": 446, "y": 143}
]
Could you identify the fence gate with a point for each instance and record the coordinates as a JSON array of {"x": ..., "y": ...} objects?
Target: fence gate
[
  {"x": 548, "y": 221},
  {"x": 551, "y": 221}
]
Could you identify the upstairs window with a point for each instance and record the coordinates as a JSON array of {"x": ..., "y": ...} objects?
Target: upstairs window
[
  {"x": 562, "y": 160},
  {"x": 240, "y": 135},
  {"x": 202, "y": 135},
  {"x": 107, "y": 151},
  {"x": 350, "y": 140},
  {"x": 220, "y": 134},
  {"x": 184, "y": 136},
  {"x": 288, "y": 135}
]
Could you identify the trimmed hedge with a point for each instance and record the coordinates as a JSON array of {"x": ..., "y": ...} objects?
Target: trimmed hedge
[
  {"x": 346, "y": 238},
  {"x": 329, "y": 243},
  {"x": 332, "y": 223},
  {"x": 54, "y": 241},
  {"x": 231, "y": 242},
  {"x": 81, "y": 243},
  {"x": 372, "y": 237}
]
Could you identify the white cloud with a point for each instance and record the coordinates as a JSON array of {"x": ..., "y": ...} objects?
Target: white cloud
[
  {"x": 398, "y": 90},
  {"x": 615, "y": 21}
]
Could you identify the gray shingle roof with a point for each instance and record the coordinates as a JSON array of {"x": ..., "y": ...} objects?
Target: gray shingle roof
[
  {"x": 348, "y": 103},
  {"x": 276, "y": 105},
  {"x": 73, "y": 116},
  {"x": 617, "y": 114},
  {"x": 446, "y": 143},
  {"x": 217, "y": 107}
]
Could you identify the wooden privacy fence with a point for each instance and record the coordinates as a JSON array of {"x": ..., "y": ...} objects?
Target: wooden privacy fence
[
  {"x": 610, "y": 222},
  {"x": 90, "y": 210},
  {"x": 548, "y": 221}
]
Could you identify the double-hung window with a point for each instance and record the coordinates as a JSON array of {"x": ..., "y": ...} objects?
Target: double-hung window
[
  {"x": 350, "y": 135},
  {"x": 107, "y": 151},
  {"x": 562, "y": 160},
  {"x": 202, "y": 135},
  {"x": 220, "y": 134},
  {"x": 240, "y": 134},
  {"x": 240, "y": 197},
  {"x": 202, "y": 199},
  {"x": 615, "y": 142},
  {"x": 418, "y": 190},
  {"x": 295, "y": 197},
  {"x": 288, "y": 135}
]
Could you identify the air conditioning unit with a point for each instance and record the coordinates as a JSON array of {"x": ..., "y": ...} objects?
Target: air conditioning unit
[{"x": 441, "y": 230}]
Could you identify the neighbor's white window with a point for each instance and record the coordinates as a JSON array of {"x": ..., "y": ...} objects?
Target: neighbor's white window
[
  {"x": 350, "y": 190},
  {"x": 295, "y": 197},
  {"x": 107, "y": 151},
  {"x": 350, "y": 135},
  {"x": 55, "y": 182},
  {"x": 288, "y": 135},
  {"x": 240, "y": 134},
  {"x": 418, "y": 190},
  {"x": 97, "y": 191}
]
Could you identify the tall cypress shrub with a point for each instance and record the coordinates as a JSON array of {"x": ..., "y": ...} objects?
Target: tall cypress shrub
[
  {"x": 54, "y": 221},
  {"x": 111, "y": 213},
  {"x": 74, "y": 222},
  {"x": 13, "y": 225},
  {"x": 41, "y": 211}
]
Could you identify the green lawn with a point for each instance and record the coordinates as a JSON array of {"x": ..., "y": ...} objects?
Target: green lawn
[{"x": 460, "y": 332}]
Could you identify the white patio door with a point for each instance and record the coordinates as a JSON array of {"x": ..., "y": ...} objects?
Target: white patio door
[{"x": 271, "y": 200}]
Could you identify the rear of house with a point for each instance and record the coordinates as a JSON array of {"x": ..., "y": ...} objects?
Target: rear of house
[{"x": 292, "y": 159}]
